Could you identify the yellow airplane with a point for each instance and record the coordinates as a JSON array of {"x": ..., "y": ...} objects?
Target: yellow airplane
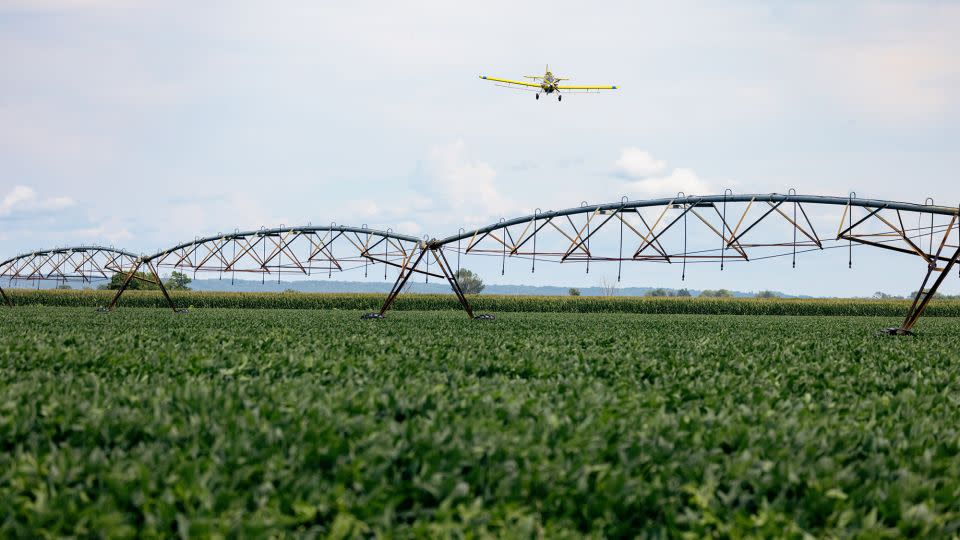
[{"x": 547, "y": 84}]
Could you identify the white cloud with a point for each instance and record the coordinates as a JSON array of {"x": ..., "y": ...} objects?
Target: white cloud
[
  {"x": 51, "y": 139},
  {"x": 363, "y": 208},
  {"x": 635, "y": 163},
  {"x": 111, "y": 231},
  {"x": 59, "y": 202},
  {"x": 18, "y": 195},
  {"x": 24, "y": 200},
  {"x": 680, "y": 179},
  {"x": 468, "y": 187},
  {"x": 899, "y": 81},
  {"x": 409, "y": 227},
  {"x": 219, "y": 215},
  {"x": 451, "y": 189},
  {"x": 646, "y": 178}
]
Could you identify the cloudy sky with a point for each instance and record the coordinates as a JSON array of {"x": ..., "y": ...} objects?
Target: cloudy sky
[{"x": 142, "y": 124}]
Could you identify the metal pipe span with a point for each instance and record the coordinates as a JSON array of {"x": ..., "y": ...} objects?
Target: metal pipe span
[
  {"x": 72, "y": 249},
  {"x": 696, "y": 199},
  {"x": 261, "y": 232},
  {"x": 281, "y": 230}
]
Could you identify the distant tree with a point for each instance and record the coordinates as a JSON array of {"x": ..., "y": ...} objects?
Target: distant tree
[
  {"x": 937, "y": 295},
  {"x": 608, "y": 287},
  {"x": 573, "y": 291},
  {"x": 767, "y": 294},
  {"x": 684, "y": 293},
  {"x": 880, "y": 295},
  {"x": 135, "y": 284},
  {"x": 470, "y": 283},
  {"x": 659, "y": 292},
  {"x": 178, "y": 281},
  {"x": 719, "y": 293},
  {"x": 290, "y": 291},
  {"x": 64, "y": 287}
]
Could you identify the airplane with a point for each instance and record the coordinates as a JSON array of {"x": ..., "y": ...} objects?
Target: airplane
[{"x": 547, "y": 83}]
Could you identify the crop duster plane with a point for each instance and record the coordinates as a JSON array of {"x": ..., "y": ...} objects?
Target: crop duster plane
[{"x": 546, "y": 83}]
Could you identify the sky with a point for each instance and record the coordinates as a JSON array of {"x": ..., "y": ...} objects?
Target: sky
[{"x": 144, "y": 124}]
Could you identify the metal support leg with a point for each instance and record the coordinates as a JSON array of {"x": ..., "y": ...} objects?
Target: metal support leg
[
  {"x": 163, "y": 289},
  {"x": 126, "y": 283},
  {"x": 402, "y": 279},
  {"x": 452, "y": 279},
  {"x": 131, "y": 276},
  {"x": 922, "y": 300},
  {"x": 6, "y": 299}
]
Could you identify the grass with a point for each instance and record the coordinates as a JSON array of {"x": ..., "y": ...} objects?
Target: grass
[{"x": 302, "y": 422}]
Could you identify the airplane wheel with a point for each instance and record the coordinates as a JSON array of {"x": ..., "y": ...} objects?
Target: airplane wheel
[
  {"x": 538, "y": 96},
  {"x": 559, "y": 98}
]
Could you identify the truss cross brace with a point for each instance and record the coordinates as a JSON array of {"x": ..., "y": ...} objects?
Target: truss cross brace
[
  {"x": 132, "y": 275},
  {"x": 402, "y": 278},
  {"x": 408, "y": 270},
  {"x": 924, "y": 295}
]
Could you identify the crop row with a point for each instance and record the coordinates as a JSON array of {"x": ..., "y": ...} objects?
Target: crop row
[
  {"x": 257, "y": 423},
  {"x": 489, "y": 303}
]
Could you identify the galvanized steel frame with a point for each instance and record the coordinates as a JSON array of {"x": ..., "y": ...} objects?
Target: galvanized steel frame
[
  {"x": 517, "y": 237},
  {"x": 208, "y": 254},
  {"x": 407, "y": 253}
]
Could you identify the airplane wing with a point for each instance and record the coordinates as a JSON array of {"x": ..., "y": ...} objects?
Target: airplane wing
[
  {"x": 577, "y": 87},
  {"x": 508, "y": 81}
]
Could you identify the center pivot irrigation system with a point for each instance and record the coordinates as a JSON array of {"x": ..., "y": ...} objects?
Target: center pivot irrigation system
[{"x": 683, "y": 230}]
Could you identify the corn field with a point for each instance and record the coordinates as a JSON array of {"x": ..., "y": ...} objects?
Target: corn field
[{"x": 489, "y": 303}]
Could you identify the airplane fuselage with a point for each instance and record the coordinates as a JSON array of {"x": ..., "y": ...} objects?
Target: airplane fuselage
[{"x": 548, "y": 83}]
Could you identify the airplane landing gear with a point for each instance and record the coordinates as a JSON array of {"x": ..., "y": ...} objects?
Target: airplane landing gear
[
  {"x": 538, "y": 96},
  {"x": 559, "y": 98}
]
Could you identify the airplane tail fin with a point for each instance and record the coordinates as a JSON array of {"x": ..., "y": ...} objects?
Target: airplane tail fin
[{"x": 539, "y": 77}]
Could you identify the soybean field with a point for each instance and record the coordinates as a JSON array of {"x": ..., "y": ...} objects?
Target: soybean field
[{"x": 307, "y": 422}]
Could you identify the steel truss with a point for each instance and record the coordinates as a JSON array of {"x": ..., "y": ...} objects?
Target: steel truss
[
  {"x": 682, "y": 230},
  {"x": 80, "y": 263},
  {"x": 742, "y": 228},
  {"x": 408, "y": 270},
  {"x": 308, "y": 250}
]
